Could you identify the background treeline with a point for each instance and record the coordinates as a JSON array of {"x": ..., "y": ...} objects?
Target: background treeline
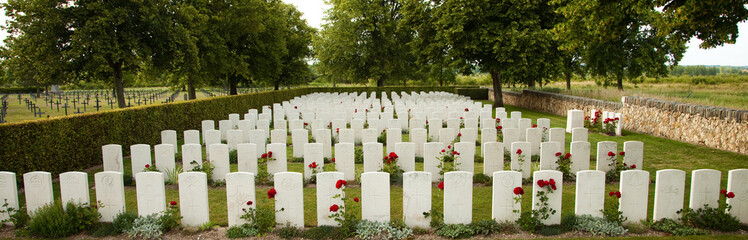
[
  {"x": 707, "y": 70},
  {"x": 184, "y": 43}
]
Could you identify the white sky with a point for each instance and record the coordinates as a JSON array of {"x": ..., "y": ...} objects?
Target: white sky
[{"x": 727, "y": 55}]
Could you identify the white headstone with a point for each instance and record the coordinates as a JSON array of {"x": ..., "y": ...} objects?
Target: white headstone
[
  {"x": 510, "y": 135},
  {"x": 192, "y": 156},
  {"x": 394, "y": 136},
  {"x": 74, "y": 188},
  {"x": 110, "y": 194},
  {"x": 112, "y": 157},
  {"x": 431, "y": 151},
  {"x": 290, "y": 197},
  {"x": 257, "y": 137},
  {"x": 240, "y": 195},
  {"x": 165, "y": 161},
  {"x": 488, "y": 135},
  {"x": 264, "y": 124},
  {"x": 466, "y": 159},
  {"x": 418, "y": 136},
  {"x": 634, "y": 187},
  {"x": 544, "y": 125},
  {"x": 219, "y": 157},
  {"x": 416, "y": 199},
  {"x": 279, "y": 154},
  {"x": 246, "y": 158},
  {"x": 193, "y": 197},
  {"x": 299, "y": 138},
  {"x": 447, "y": 135},
  {"x": 503, "y": 205},
  {"x": 38, "y": 190},
  {"x": 280, "y": 124},
  {"x": 373, "y": 154},
  {"x": 235, "y": 137},
  {"x": 580, "y": 156},
  {"x": 279, "y": 136},
  {"x": 548, "y": 158},
  {"x": 234, "y": 120},
  {"x": 326, "y": 197},
  {"x": 605, "y": 162},
  {"x": 521, "y": 160},
  {"x": 524, "y": 124},
  {"x": 169, "y": 137},
  {"x": 212, "y": 137},
  {"x": 435, "y": 125},
  {"x": 246, "y": 126},
  {"x": 406, "y": 155},
  {"x": 704, "y": 188},
  {"x": 493, "y": 157},
  {"x": 590, "y": 194},
  {"x": 669, "y": 190},
  {"x": 579, "y": 134},
  {"x": 312, "y": 154},
  {"x": 346, "y": 135},
  {"x": 192, "y": 136},
  {"x": 469, "y": 135},
  {"x": 634, "y": 153},
  {"x": 150, "y": 193},
  {"x": 375, "y": 196},
  {"x": 358, "y": 126},
  {"x": 458, "y": 197},
  {"x": 325, "y": 138},
  {"x": 554, "y": 199},
  {"x": 224, "y": 126},
  {"x": 574, "y": 119},
  {"x": 558, "y": 135},
  {"x": 207, "y": 125},
  {"x": 344, "y": 160},
  {"x": 534, "y": 136},
  {"x": 140, "y": 155},
  {"x": 737, "y": 182},
  {"x": 9, "y": 192}
]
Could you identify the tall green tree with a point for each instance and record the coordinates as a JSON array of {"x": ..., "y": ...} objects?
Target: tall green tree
[
  {"x": 363, "y": 41},
  {"x": 429, "y": 50},
  {"x": 502, "y": 38},
  {"x": 713, "y": 21},
  {"x": 619, "y": 39}
]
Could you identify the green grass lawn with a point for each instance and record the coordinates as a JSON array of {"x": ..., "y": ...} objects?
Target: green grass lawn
[{"x": 659, "y": 154}]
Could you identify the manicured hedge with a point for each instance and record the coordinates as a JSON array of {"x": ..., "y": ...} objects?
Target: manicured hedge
[
  {"x": 74, "y": 142},
  {"x": 473, "y": 93},
  {"x": 18, "y": 90}
]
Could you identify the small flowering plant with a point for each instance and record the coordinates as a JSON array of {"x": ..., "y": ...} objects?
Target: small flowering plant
[
  {"x": 593, "y": 124},
  {"x": 339, "y": 212},
  {"x": 609, "y": 126},
  {"x": 563, "y": 163},
  {"x": 307, "y": 126},
  {"x": 390, "y": 166},
  {"x": 616, "y": 166},
  {"x": 518, "y": 192},
  {"x": 150, "y": 168},
  {"x": 520, "y": 160},
  {"x": 382, "y": 138},
  {"x": 170, "y": 218},
  {"x": 314, "y": 169},
  {"x": 447, "y": 160},
  {"x": 610, "y": 211},
  {"x": 544, "y": 210}
]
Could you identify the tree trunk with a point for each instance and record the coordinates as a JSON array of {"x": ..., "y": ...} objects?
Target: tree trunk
[
  {"x": 568, "y": 80},
  {"x": 191, "y": 88},
  {"x": 380, "y": 82},
  {"x": 118, "y": 86},
  {"x": 277, "y": 85},
  {"x": 38, "y": 90},
  {"x": 232, "y": 85},
  {"x": 620, "y": 83},
  {"x": 498, "y": 100},
  {"x": 531, "y": 84}
]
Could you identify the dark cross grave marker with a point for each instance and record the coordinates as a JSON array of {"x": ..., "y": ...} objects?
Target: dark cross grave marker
[
  {"x": 58, "y": 105},
  {"x": 79, "y": 111},
  {"x": 97, "y": 103},
  {"x": 66, "y": 108},
  {"x": 19, "y": 98}
]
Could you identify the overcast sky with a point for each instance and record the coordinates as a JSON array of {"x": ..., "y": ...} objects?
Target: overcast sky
[{"x": 728, "y": 55}]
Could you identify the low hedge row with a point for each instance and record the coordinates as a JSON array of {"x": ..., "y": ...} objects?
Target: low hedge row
[
  {"x": 10, "y": 90},
  {"x": 74, "y": 142},
  {"x": 473, "y": 93}
]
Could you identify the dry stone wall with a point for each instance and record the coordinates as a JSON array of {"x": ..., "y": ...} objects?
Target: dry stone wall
[{"x": 720, "y": 128}]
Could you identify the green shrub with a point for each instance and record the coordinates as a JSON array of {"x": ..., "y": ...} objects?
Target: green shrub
[
  {"x": 485, "y": 227},
  {"x": 711, "y": 218},
  {"x": 18, "y": 217},
  {"x": 551, "y": 230},
  {"x": 473, "y": 93},
  {"x": 377, "y": 230},
  {"x": 52, "y": 221},
  {"x": 482, "y": 178},
  {"x": 455, "y": 231},
  {"x": 637, "y": 228},
  {"x": 10, "y": 90},
  {"x": 148, "y": 227},
  {"x": 678, "y": 229},
  {"x": 325, "y": 232},
  {"x": 123, "y": 221},
  {"x": 528, "y": 223},
  {"x": 598, "y": 226},
  {"x": 104, "y": 229},
  {"x": 358, "y": 155},
  {"x": 242, "y": 231},
  {"x": 289, "y": 232},
  {"x": 233, "y": 157}
]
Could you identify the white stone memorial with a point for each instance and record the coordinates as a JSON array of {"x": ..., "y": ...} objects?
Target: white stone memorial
[
  {"x": 110, "y": 194},
  {"x": 193, "y": 199},
  {"x": 140, "y": 156},
  {"x": 219, "y": 158},
  {"x": 534, "y": 136},
  {"x": 503, "y": 205},
  {"x": 279, "y": 136},
  {"x": 580, "y": 156},
  {"x": 290, "y": 198},
  {"x": 246, "y": 158},
  {"x": 590, "y": 193},
  {"x": 150, "y": 193},
  {"x": 279, "y": 154},
  {"x": 169, "y": 137},
  {"x": 521, "y": 160},
  {"x": 9, "y": 192},
  {"x": 165, "y": 161},
  {"x": 224, "y": 126},
  {"x": 299, "y": 138},
  {"x": 493, "y": 157},
  {"x": 192, "y": 136},
  {"x": 418, "y": 136},
  {"x": 234, "y": 137},
  {"x": 579, "y": 134},
  {"x": 634, "y": 153},
  {"x": 669, "y": 190},
  {"x": 74, "y": 188},
  {"x": 192, "y": 156},
  {"x": 313, "y": 154},
  {"x": 416, "y": 199},
  {"x": 548, "y": 158},
  {"x": 704, "y": 188},
  {"x": 326, "y": 197},
  {"x": 37, "y": 188},
  {"x": 558, "y": 135},
  {"x": 406, "y": 156},
  {"x": 375, "y": 196},
  {"x": 431, "y": 152},
  {"x": 509, "y": 136},
  {"x": 257, "y": 137},
  {"x": 373, "y": 154},
  {"x": 394, "y": 136},
  {"x": 634, "y": 187},
  {"x": 554, "y": 198},
  {"x": 737, "y": 182},
  {"x": 325, "y": 138},
  {"x": 458, "y": 197},
  {"x": 466, "y": 159},
  {"x": 112, "y": 157},
  {"x": 206, "y": 125},
  {"x": 240, "y": 190},
  {"x": 574, "y": 119},
  {"x": 344, "y": 160},
  {"x": 605, "y": 162}
]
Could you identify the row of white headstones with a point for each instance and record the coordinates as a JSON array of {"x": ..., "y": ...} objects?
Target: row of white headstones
[{"x": 375, "y": 195}]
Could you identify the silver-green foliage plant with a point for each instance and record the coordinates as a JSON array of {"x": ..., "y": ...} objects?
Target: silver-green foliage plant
[
  {"x": 598, "y": 226},
  {"x": 148, "y": 227},
  {"x": 376, "y": 230}
]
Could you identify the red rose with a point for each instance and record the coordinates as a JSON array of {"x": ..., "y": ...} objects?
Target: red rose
[
  {"x": 723, "y": 191},
  {"x": 616, "y": 118},
  {"x": 305, "y": 124},
  {"x": 334, "y": 208},
  {"x": 441, "y": 185},
  {"x": 337, "y": 130},
  {"x": 618, "y": 194},
  {"x": 270, "y": 153},
  {"x": 295, "y": 107},
  {"x": 147, "y": 165},
  {"x": 553, "y": 186},
  {"x": 249, "y": 203},
  {"x": 622, "y": 153},
  {"x": 519, "y": 191},
  {"x": 355, "y": 199},
  {"x": 339, "y": 183},
  {"x": 313, "y": 165},
  {"x": 534, "y": 125},
  {"x": 730, "y": 195},
  {"x": 173, "y": 203},
  {"x": 567, "y": 156},
  {"x": 552, "y": 182},
  {"x": 460, "y": 118},
  {"x": 264, "y": 155},
  {"x": 332, "y": 160},
  {"x": 499, "y": 127},
  {"x": 444, "y": 150},
  {"x": 633, "y": 166},
  {"x": 611, "y": 193},
  {"x": 393, "y": 155},
  {"x": 541, "y": 183},
  {"x": 449, "y": 146},
  {"x": 455, "y": 153},
  {"x": 519, "y": 151},
  {"x": 459, "y": 134},
  {"x": 271, "y": 193},
  {"x": 558, "y": 154},
  {"x": 467, "y": 109},
  {"x": 611, "y": 154}
]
